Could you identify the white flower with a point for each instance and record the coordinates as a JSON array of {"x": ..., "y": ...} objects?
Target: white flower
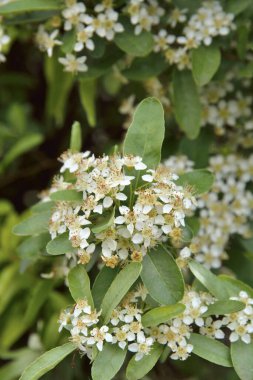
[
  {"x": 46, "y": 41},
  {"x": 74, "y": 64},
  {"x": 84, "y": 35},
  {"x": 142, "y": 347}
]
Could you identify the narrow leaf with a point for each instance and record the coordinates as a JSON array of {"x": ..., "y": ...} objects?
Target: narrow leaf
[
  {"x": 118, "y": 289},
  {"x": 29, "y": 6},
  {"x": 138, "y": 369},
  {"x": 211, "y": 350},
  {"x": 76, "y": 137},
  {"x": 47, "y": 361},
  {"x": 187, "y": 105},
  {"x": 145, "y": 135},
  {"x": 87, "y": 91},
  {"x": 79, "y": 284},
  {"x": 161, "y": 314},
  {"x": 234, "y": 286},
  {"x": 162, "y": 277},
  {"x": 105, "y": 224},
  {"x": 224, "y": 307}
]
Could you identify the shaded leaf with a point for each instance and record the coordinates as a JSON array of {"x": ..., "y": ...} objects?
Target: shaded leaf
[
  {"x": 60, "y": 245},
  {"x": 67, "y": 196},
  {"x": 205, "y": 62},
  {"x": 76, "y": 137},
  {"x": 108, "y": 362},
  {"x": 161, "y": 314},
  {"x": 87, "y": 91},
  {"x": 102, "y": 283},
  {"x": 36, "y": 224},
  {"x": 224, "y": 307},
  {"x": 162, "y": 277},
  {"x": 79, "y": 284},
  {"x": 200, "y": 180},
  {"x": 242, "y": 355}
]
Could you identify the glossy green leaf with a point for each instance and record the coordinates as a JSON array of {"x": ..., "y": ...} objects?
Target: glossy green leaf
[
  {"x": 87, "y": 91},
  {"x": 161, "y": 314},
  {"x": 187, "y": 107},
  {"x": 118, "y": 289},
  {"x": 199, "y": 180},
  {"x": 205, "y": 63},
  {"x": 144, "y": 68},
  {"x": 106, "y": 223},
  {"x": 234, "y": 286},
  {"x": 224, "y": 307},
  {"x": 138, "y": 369},
  {"x": 60, "y": 245},
  {"x": 35, "y": 225},
  {"x": 211, "y": 350},
  {"x": 209, "y": 280},
  {"x": 67, "y": 196},
  {"x": 76, "y": 137},
  {"x": 102, "y": 283},
  {"x": 162, "y": 277},
  {"x": 79, "y": 284},
  {"x": 47, "y": 361},
  {"x": 242, "y": 354},
  {"x": 136, "y": 45},
  {"x": 29, "y": 5},
  {"x": 145, "y": 135},
  {"x": 108, "y": 362}
]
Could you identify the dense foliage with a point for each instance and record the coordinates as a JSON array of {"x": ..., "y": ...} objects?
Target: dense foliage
[{"x": 138, "y": 254}]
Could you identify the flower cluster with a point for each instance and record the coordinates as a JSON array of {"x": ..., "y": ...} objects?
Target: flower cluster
[
  {"x": 223, "y": 211},
  {"x": 125, "y": 326},
  {"x": 124, "y": 207},
  {"x": 82, "y": 26},
  {"x": 227, "y": 108}
]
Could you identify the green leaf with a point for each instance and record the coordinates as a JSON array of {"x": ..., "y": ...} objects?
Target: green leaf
[
  {"x": 39, "y": 295},
  {"x": 138, "y": 369},
  {"x": 209, "y": 280},
  {"x": 187, "y": 105},
  {"x": 224, "y": 307},
  {"x": 35, "y": 225},
  {"x": 12, "y": 370},
  {"x": 59, "y": 84},
  {"x": 102, "y": 283},
  {"x": 108, "y": 362},
  {"x": 76, "y": 137},
  {"x": 31, "y": 247},
  {"x": 200, "y": 180},
  {"x": 29, "y": 5},
  {"x": 23, "y": 145},
  {"x": 205, "y": 63},
  {"x": 144, "y": 68},
  {"x": 118, "y": 289},
  {"x": 105, "y": 224},
  {"x": 47, "y": 361},
  {"x": 79, "y": 284},
  {"x": 60, "y": 245},
  {"x": 162, "y": 277},
  {"x": 42, "y": 206},
  {"x": 136, "y": 45},
  {"x": 67, "y": 196},
  {"x": 161, "y": 314},
  {"x": 234, "y": 286},
  {"x": 236, "y": 7},
  {"x": 211, "y": 350},
  {"x": 87, "y": 92},
  {"x": 193, "y": 149},
  {"x": 145, "y": 135},
  {"x": 242, "y": 355}
]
